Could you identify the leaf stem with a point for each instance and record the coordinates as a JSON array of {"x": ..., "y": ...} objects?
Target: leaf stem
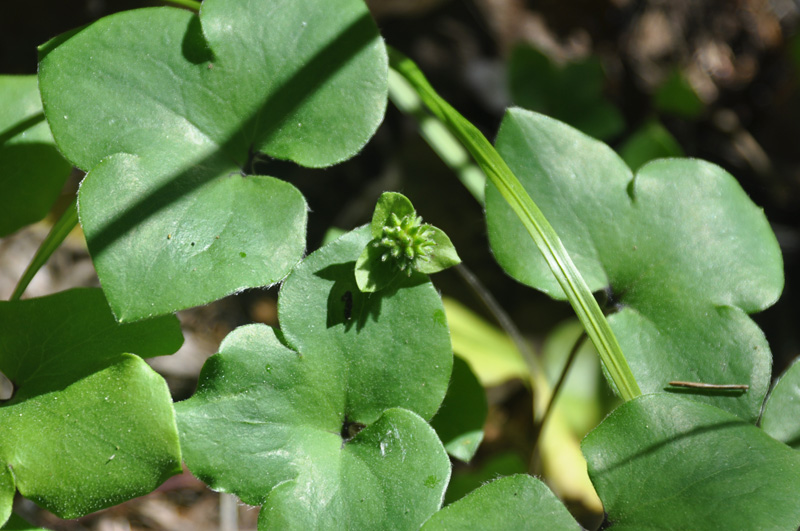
[
  {"x": 62, "y": 227},
  {"x": 191, "y": 4},
  {"x": 540, "y": 230}
]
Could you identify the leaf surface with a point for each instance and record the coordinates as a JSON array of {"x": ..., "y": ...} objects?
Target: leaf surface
[
  {"x": 167, "y": 110},
  {"x": 514, "y": 502},
  {"x": 459, "y": 421},
  {"x": 7, "y": 491},
  {"x": 680, "y": 251},
  {"x": 88, "y": 426},
  {"x": 391, "y": 475},
  {"x": 396, "y": 344},
  {"x": 324, "y": 423},
  {"x": 32, "y": 172},
  {"x": 665, "y": 462},
  {"x": 17, "y": 523}
]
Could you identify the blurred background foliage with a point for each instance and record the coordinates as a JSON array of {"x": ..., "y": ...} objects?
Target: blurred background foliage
[{"x": 714, "y": 79}]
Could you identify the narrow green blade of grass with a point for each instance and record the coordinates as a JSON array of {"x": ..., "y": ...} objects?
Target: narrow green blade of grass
[{"x": 537, "y": 226}]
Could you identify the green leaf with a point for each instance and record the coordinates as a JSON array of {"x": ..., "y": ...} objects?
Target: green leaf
[
  {"x": 572, "y": 93},
  {"x": 651, "y": 141},
  {"x": 466, "y": 480},
  {"x": 391, "y": 475},
  {"x": 16, "y": 523},
  {"x": 374, "y": 273},
  {"x": 536, "y": 225},
  {"x": 459, "y": 422},
  {"x": 444, "y": 253},
  {"x": 681, "y": 250},
  {"x": 32, "y": 172},
  {"x": 88, "y": 426},
  {"x": 389, "y": 203},
  {"x": 168, "y": 127},
  {"x": 304, "y": 421},
  {"x": 781, "y": 417},
  {"x": 515, "y": 502},
  {"x": 7, "y": 491},
  {"x": 677, "y": 96},
  {"x": 664, "y": 462},
  {"x": 321, "y": 310}
]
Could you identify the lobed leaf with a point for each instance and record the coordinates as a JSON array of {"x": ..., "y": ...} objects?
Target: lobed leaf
[
  {"x": 468, "y": 479},
  {"x": 167, "y": 110},
  {"x": 391, "y": 475},
  {"x": 665, "y": 462},
  {"x": 533, "y": 219},
  {"x": 32, "y": 172},
  {"x": 680, "y": 251},
  {"x": 324, "y": 423},
  {"x": 88, "y": 426},
  {"x": 396, "y": 343}
]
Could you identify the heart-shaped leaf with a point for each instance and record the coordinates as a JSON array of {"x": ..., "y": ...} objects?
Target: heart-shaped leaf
[
  {"x": 304, "y": 422},
  {"x": 514, "y": 502},
  {"x": 32, "y": 172},
  {"x": 681, "y": 252},
  {"x": 88, "y": 426},
  {"x": 664, "y": 462},
  {"x": 321, "y": 310},
  {"x": 168, "y": 110},
  {"x": 781, "y": 417},
  {"x": 392, "y": 475}
]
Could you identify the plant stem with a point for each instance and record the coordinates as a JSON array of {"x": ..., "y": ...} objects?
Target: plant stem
[
  {"x": 539, "y": 428},
  {"x": 437, "y": 136},
  {"x": 191, "y": 4},
  {"x": 540, "y": 230},
  {"x": 62, "y": 227}
]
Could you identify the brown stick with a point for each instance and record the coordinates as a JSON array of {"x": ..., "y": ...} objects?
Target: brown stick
[{"x": 700, "y": 385}]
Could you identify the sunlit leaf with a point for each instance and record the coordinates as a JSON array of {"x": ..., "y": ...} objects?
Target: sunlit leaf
[
  {"x": 89, "y": 425},
  {"x": 680, "y": 252},
  {"x": 324, "y": 423},
  {"x": 665, "y": 462},
  {"x": 167, "y": 111},
  {"x": 32, "y": 172}
]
